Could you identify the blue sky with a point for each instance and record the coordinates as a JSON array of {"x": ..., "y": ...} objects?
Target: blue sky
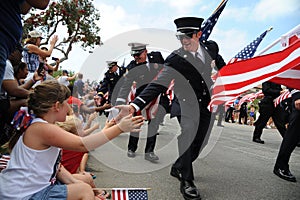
[{"x": 240, "y": 22}]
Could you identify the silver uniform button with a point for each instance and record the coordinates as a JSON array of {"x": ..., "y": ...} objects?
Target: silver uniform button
[{"x": 183, "y": 99}]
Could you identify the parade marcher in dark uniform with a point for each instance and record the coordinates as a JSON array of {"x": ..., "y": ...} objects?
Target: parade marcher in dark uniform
[
  {"x": 229, "y": 114},
  {"x": 267, "y": 109},
  {"x": 142, "y": 70},
  {"x": 111, "y": 77},
  {"x": 190, "y": 66},
  {"x": 243, "y": 113},
  {"x": 289, "y": 142}
]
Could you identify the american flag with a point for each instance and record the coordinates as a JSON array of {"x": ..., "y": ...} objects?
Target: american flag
[
  {"x": 170, "y": 91},
  {"x": 251, "y": 97},
  {"x": 291, "y": 75},
  {"x": 3, "y": 161},
  {"x": 249, "y": 50},
  {"x": 286, "y": 94},
  {"x": 246, "y": 53},
  {"x": 239, "y": 77},
  {"x": 129, "y": 194},
  {"x": 247, "y": 98},
  {"x": 208, "y": 25}
]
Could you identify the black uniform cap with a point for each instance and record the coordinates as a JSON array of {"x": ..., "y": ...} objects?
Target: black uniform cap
[
  {"x": 111, "y": 63},
  {"x": 137, "y": 47},
  {"x": 188, "y": 24}
]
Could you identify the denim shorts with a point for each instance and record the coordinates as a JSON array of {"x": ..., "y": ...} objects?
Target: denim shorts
[{"x": 56, "y": 191}]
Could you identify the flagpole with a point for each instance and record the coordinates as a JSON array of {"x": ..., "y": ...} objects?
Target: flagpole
[
  {"x": 269, "y": 47},
  {"x": 291, "y": 32},
  {"x": 219, "y": 6},
  {"x": 271, "y": 28}
]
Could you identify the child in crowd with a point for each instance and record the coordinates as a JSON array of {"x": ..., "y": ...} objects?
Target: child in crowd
[
  {"x": 75, "y": 162},
  {"x": 34, "y": 170},
  {"x": 251, "y": 115}
]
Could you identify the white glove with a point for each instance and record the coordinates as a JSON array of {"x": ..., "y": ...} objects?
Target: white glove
[{"x": 131, "y": 124}]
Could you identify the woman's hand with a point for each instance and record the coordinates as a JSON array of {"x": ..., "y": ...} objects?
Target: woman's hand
[
  {"x": 54, "y": 40},
  {"x": 131, "y": 124},
  {"x": 124, "y": 111}
]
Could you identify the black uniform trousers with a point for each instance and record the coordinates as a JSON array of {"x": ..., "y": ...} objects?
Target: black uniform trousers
[
  {"x": 290, "y": 140},
  {"x": 229, "y": 115},
  {"x": 153, "y": 126},
  {"x": 189, "y": 144},
  {"x": 243, "y": 114},
  {"x": 267, "y": 110}
]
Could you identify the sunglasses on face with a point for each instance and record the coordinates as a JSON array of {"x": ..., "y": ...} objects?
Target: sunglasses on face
[
  {"x": 187, "y": 35},
  {"x": 112, "y": 66},
  {"x": 137, "y": 54}
]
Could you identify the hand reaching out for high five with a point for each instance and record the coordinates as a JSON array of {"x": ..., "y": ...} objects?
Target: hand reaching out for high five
[
  {"x": 124, "y": 110},
  {"x": 131, "y": 124}
]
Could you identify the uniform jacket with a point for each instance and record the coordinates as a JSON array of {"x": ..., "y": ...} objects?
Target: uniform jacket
[
  {"x": 192, "y": 79},
  {"x": 110, "y": 80},
  {"x": 142, "y": 74},
  {"x": 271, "y": 90}
]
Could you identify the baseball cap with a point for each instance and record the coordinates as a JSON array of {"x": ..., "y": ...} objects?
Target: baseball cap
[{"x": 35, "y": 34}]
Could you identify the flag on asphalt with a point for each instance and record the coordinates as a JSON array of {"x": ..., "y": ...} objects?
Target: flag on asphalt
[
  {"x": 209, "y": 24},
  {"x": 129, "y": 194}
]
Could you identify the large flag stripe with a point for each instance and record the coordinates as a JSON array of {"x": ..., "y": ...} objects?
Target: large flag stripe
[
  {"x": 292, "y": 83},
  {"x": 292, "y": 73},
  {"x": 253, "y": 65},
  {"x": 236, "y": 81},
  {"x": 259, "y": 79}
]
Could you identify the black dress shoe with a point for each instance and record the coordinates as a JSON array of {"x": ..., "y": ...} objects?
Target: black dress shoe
[
  {"x": 175, "y": 173},
  {"x": 189, "y": 190},
  {"x": 130, "y": 154},
  {"x": 258, "y": 140},
  {"x": 284, "y": 174},
  {"x": 220, "y": 125},
  {"x": 151, "y": 157}
]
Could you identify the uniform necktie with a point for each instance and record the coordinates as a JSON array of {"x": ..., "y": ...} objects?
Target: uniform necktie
[{"x": 199, "y": 56}]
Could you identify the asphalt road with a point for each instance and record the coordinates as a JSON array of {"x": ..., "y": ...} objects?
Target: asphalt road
[{"x": 230, "y": 167}]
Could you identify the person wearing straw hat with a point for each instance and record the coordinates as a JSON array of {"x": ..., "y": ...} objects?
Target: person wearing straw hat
[{"x": 11, "y": 26}]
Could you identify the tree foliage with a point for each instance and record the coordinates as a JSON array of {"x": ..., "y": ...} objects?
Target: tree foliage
[{"x": 74, "y": 18}]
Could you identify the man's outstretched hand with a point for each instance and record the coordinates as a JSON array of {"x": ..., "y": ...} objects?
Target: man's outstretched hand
[{"x": 124, "y": 111}]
